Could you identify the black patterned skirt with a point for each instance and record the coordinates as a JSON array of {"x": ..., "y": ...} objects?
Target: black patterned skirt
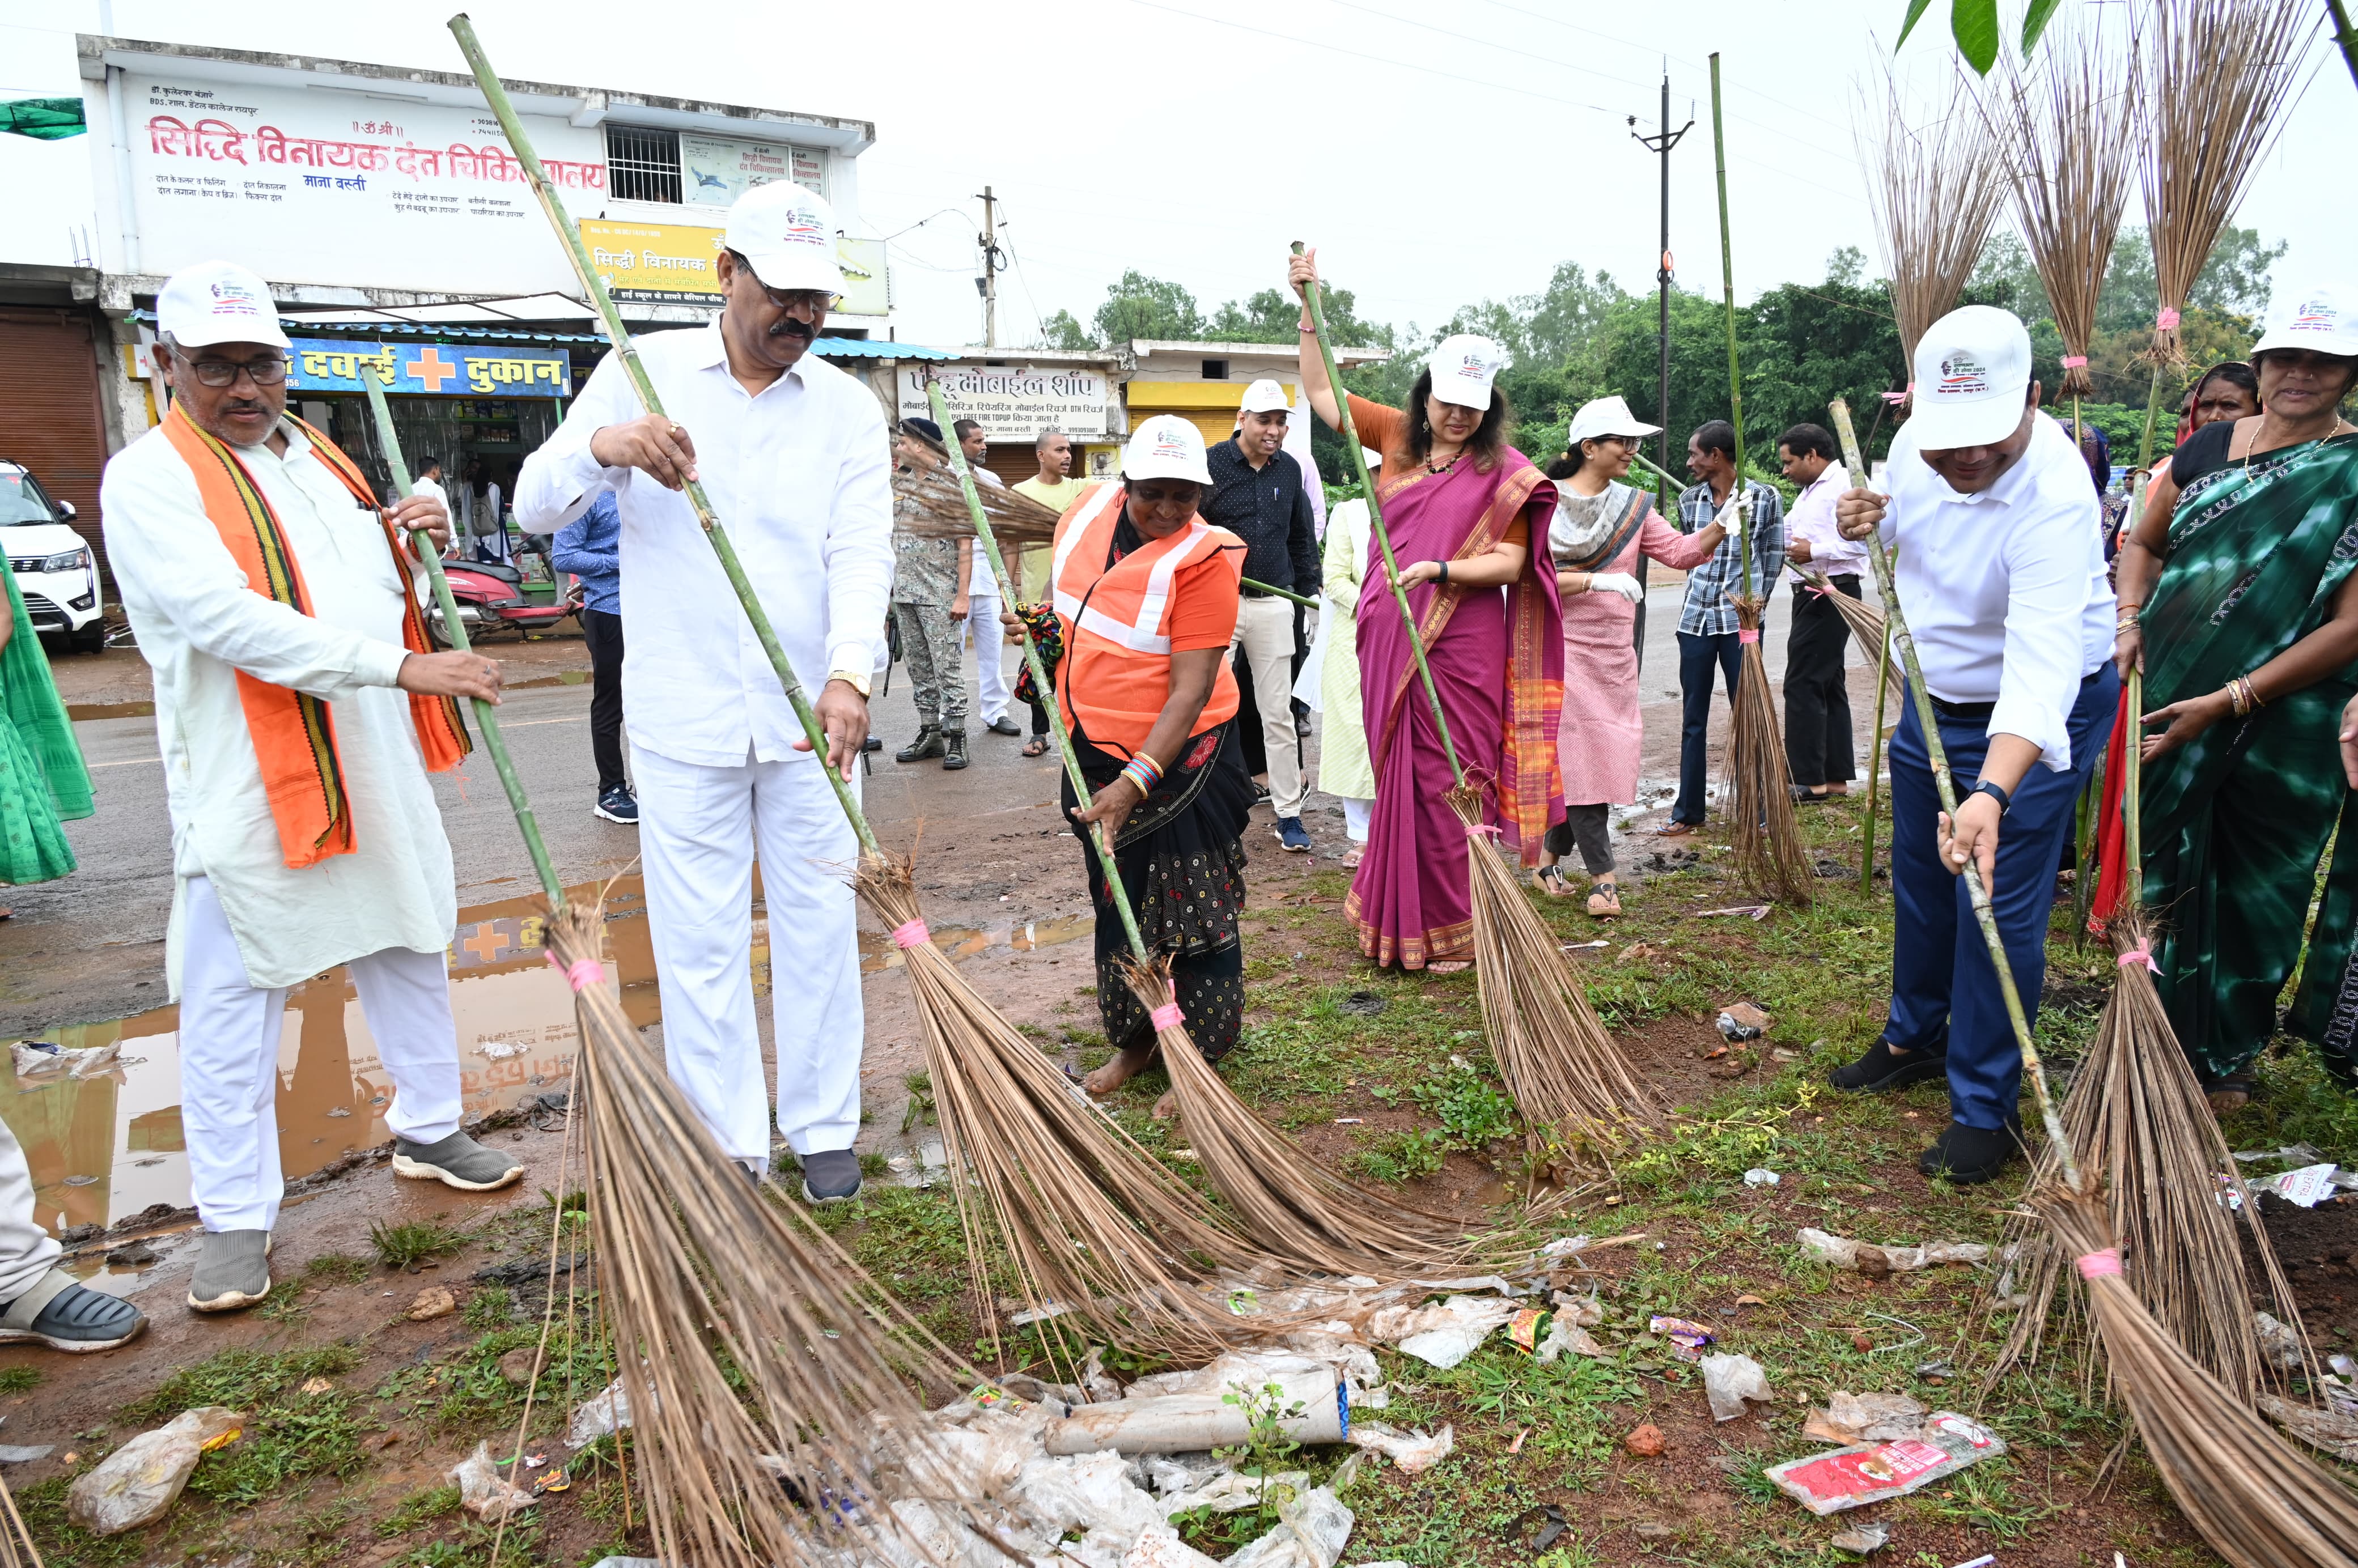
[{"x": 1182, "y": 858}]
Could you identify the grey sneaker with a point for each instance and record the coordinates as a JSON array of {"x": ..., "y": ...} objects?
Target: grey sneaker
[
  {"x": 232, "y": 1272},
  {"x": 831, "y": 1176},
  {"x": 65, "y": 1316},
  {"x": 457, "y": 1161}
]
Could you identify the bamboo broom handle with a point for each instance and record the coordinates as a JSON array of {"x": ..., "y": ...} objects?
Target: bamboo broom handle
[
  {"x": 1735, "y": 376},
  {"x": 2132, "y": 781},
  {"x": 1301, "y": 599},
  {"x": 487, "y": 717},
  {"x": 1102, "y": 839},
  {"x": 1897, "y": 623},
  {"x": 1351, "y": 433},
  {"x": 1874, "y": 760},
  {"x": 619, "y": 336}
]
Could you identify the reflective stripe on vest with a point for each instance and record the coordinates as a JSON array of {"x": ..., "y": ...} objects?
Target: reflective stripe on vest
[{"x": 1143, "y": 634}]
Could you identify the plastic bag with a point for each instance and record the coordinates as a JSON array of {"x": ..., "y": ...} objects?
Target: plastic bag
[
  {"x": 1873, "y": 1472},
  {"x": 1844, "y": 1252},
  {"x": 136, "y": 1483},
  {"x": 606, "y": 1412},
  {"x": 1729, "y": 1380},
  {"x": 481, "y": 1490},
  {"x": 1414, "y": 1452},
  {"x": 1162, "y": 1548},
  {"x": 1311, "y": 1533},
  {"x": 1865, "y": 1418},
  {"x": 1445, "y": 1335}
]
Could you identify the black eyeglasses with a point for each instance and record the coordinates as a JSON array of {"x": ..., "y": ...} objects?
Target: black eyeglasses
[
  {"x": 804, "y": 304},
  {"x": 268, "y": 370}
]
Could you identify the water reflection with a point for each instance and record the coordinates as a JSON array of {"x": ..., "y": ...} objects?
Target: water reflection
[{"x": 110, "y": 1144}]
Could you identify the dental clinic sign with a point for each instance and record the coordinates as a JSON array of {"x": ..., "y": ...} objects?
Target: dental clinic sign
[{"x": 1015, "y": 402}]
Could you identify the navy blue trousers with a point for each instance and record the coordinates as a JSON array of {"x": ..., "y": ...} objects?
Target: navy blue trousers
[
  {"x": 1696, "y": 655},
  {"x": 1942, "y": 982}
]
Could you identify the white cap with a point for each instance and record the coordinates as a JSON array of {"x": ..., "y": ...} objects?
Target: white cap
[
  {"x": 217, "y": 302},
  {"x": 788, "y": 233},
  {"x": 1602, "y": 417},
  {"x": 2315, "y": 320},
  {"x": 1463, "y": 368},
  {"x": 1165, "y": 447},
  {"x": 1263, "y": 397},
  {"x": 1972, "y": 370}
]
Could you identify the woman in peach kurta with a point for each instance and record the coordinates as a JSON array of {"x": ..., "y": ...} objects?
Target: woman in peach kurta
[{"x": 1600, "y": 528}]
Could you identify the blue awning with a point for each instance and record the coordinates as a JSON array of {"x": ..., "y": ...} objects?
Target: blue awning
[{"x": 875, "y": 349}]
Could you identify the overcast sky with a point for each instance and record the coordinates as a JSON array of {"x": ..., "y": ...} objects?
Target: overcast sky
[{"x": 1437, "y": 156}]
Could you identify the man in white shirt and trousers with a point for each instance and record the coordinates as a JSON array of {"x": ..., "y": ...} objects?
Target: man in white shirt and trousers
[
  {"x": 793, "y": 454},
  {"x": 1999, "y": 563},
  {"x": 990, "y": 688},
  {"x": 299, "y": 707}
]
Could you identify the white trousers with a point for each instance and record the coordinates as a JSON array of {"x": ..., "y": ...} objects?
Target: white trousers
[
  {"x": 1356, "y": 816},
  {"x": 28, "y": 1251},
  {"x": 701, "y": 832},
  {"x": 989, "y": 649},
  {"x": 229, "y": 1062},
  {"x": 1265, "y": 632}
]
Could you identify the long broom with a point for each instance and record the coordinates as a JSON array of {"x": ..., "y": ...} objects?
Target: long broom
[
  {"x": 753, "y": 1352},
  {"x": 1866, "y": 623},
  {"x": 2257, "y": 1501},
  {"x": 1576, "y": 1090},
  {"x": 1304, "y": 1215},
  {"x": 1096, "y": 1227},
  {"x": 1936, "y": 193},
  {"x": 1770, "y": 857}
]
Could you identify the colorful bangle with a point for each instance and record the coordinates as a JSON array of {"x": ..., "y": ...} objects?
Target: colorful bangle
[
  {"x": 2241, "y": 695},
  {"x": 1143, "y": 773}
]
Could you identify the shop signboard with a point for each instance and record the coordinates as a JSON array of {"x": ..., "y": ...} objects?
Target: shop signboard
[
  {"x": 445, "y": 370},
  {"x": 1015, "y": 402},
  {"x": 316, "y": 186},
  {"x": 716, "y": 170},
  {"x": 672, "y": 264}
]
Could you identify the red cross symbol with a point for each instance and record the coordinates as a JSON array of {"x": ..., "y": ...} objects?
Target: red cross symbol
[
  {"x": 486, "y": 943},
  {"x": 431, "y": 368}
]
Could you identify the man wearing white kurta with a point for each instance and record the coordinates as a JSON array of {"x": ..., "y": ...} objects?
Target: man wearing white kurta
[
  {"x": 792, "y": 454},
  {"x": 265, "y": 896}
]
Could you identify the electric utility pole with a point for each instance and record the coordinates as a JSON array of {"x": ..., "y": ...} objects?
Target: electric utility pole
[
  {"x": 994, "y": 262},
  {"x": 1660, "y": 145}
]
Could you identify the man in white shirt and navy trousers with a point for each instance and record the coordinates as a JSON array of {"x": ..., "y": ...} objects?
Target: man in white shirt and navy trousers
[
  {"x": 1999, "y": 561},
  {"x": 793, "y": 455}
]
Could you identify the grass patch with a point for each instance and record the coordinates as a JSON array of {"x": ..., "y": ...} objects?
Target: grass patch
[
  {"x": 335, "y": 1269},
  {"x": 420, "y": 1508},
  {"x": 491, "y": 1307},
  {"x": 241, "y": 1379},
  {"x": 288, "y": 1434},
  {"x": 19, "y": 1379},
  {"x": 1408, "y": 1156},
  {"x": 405, "y": 1246}
]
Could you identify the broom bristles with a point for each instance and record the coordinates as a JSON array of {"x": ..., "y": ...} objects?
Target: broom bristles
[
  {"x": 754, "y": 1353},
  {"x": 1306, "y": 1216},
  {"x": 1770, "y": 858},
  {"x": 2257, "y": 1499},
  {"x": 1093, "y": 1225},
  {"x": 2136, "y": 1109},
  {"x": 1578, "y": 1095},
  {"x": 1866, "y": 623},
  {"x": 1936, "y": 192}
]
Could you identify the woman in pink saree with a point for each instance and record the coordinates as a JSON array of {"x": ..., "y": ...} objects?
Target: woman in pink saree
[{"x": 1465, "y": 510}]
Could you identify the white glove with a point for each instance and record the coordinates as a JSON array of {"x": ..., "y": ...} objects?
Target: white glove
[{"x": 1621, "y": 583}]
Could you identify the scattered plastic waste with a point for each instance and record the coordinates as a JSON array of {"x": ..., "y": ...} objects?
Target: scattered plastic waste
[
  {"x": 1311, "y": 1532},
  {"x": 1413, "y": 1453},
  {"x": 16, "y": 1453},
  {"x": 1743, "y": 1022},
  {"x": 1864, "y": 1258},
  {"x": 1761, "y": 1176},
  {"x": 608, "y": 1411},
  {"x": 1564, "y": 1246},
  {"x": 2305, "y": 1187},
  {"x": 1851, "y": 1418},
  {"x": 1852, "y": 1475},
  {"x": 139, "y": 1481},
  {"x": 1160, "y": 1547},
  {"x": 1688, "y": 1340},
  {"x": 1564, "y": 1333},
  {"x": 1537, "y": 1528},
  {"x": 1447, "y": 1334},
  {"x": 484, "y": 1491},
  {"x": 1862, "y": 1538},
  {"x": 1729, "y": 1380},
  {"x": 2279, "y": 1343},
  {"x": 1749, "y": 911},
  {"x": 40, "y": 1059},
  {"x": 2333, "y": 1430},
  {"x": 1201, "y": 1414}
]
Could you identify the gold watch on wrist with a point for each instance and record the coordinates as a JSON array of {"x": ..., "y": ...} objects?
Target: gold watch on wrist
[{"x": 857, "y": 680}]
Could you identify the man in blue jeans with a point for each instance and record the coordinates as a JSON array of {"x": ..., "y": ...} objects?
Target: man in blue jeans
[
  {"x": 590, "y": 548},
  {"x": 1707, "y": 624},
  {"x": 2000, "y": 570}
]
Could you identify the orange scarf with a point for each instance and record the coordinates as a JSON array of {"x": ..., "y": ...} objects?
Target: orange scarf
[{"x": 295, "y": 735}]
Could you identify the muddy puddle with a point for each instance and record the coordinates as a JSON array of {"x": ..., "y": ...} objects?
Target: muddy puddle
[{"x": 109, "y": 1143}]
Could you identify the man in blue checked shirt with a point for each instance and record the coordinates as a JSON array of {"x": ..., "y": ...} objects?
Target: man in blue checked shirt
[
  {"x": 1707, "y": 624},
  {"x": 590, "y": 548}
]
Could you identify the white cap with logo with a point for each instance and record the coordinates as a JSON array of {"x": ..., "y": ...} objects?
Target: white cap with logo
[
  {"x": 1463, "y": 367},
  {"x": 2317, "y": 321},
  {"x": 1602, "y": 417},
  {"x": 217, "y": 302},
  {"x": 1165, "y": 447},
  {"x": 788, "y": 233},
  {"x": 1264, "y": 396},
  {"x": 1972, "y": 373}
]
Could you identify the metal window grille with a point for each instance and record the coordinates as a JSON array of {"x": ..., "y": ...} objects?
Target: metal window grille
[{"x": 642, "y": 165}]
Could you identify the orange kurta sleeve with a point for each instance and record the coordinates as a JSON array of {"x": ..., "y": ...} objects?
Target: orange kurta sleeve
[
  {"x": 1203, "y": 606},
  {"x": 1385, "y": 429}
]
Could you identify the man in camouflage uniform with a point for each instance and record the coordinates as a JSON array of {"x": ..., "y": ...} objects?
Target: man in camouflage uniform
[{"x": 929, "y": 605}]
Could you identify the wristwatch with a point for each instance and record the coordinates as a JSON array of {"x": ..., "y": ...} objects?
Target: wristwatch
[
  {"x": 2005, "y": 801},
  {"x": 857, "y": 680}
]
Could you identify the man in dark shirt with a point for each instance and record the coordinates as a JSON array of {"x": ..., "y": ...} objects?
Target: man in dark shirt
[{"x": 1257, "y": 494}]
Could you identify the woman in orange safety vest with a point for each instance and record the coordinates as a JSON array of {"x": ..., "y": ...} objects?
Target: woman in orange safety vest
[{"x": 1147, "y": 594}]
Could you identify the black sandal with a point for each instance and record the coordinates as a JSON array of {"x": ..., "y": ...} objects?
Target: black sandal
[
  {"x": 1036, "y": 747},
  {"x": 1550, "y": 880}
]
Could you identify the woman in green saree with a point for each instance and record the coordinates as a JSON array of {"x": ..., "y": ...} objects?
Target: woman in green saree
[
  {"x": 42, "y": 780},
  {"x": 2239, "y": 602}
]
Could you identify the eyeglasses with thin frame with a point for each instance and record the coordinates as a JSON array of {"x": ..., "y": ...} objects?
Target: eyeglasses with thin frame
[
  {"x": 803, "y": 304},
  {"x": 268, "y": 371}
]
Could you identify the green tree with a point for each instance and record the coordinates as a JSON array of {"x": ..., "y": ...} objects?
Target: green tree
[
  {"x": 1061, "y": 332},
  {"x": 1149, "y": 307},
  {"x": 2234, "y": 281},
  {"x": 1804, "y": 345}
]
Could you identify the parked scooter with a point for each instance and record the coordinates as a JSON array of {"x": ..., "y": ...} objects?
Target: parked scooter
[{"x": 490, "y": 596}]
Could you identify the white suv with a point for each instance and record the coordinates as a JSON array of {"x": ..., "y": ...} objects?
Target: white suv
[{"x": 52, "y": 563}]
